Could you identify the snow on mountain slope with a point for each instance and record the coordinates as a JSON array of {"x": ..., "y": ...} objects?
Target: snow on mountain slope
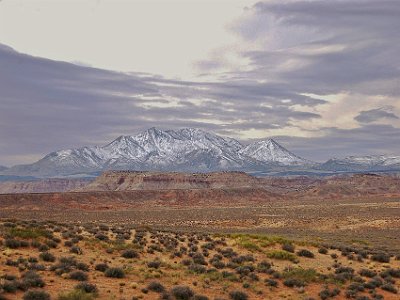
[
  {"x": 187, "y": 149},
  {"x": 268, "y": 151},
  {"x": 367, "y": 162}
]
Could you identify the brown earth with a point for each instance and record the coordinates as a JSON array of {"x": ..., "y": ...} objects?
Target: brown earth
[{"x": 42, "y": 186}]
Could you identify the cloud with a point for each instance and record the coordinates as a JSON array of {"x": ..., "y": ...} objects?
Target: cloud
[
  {"x": 295, "y": 61},
  {"x": 372, "y": 115}
]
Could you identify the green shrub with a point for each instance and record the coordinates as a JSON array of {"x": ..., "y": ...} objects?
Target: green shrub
[
  {"x": 47, "y": 256},
  {"x": 36, "y": 295},
  {"x": 282, "y": 255},
  {"x": 389, "y": 287},
  {"x": 182, "y": 292},
  {"x": 156, "y": 287},
  {"x": 238, "y": 295},
  {"x": 115, "y": 273},
  {"x": 305, "y": 253},
  {"x": 29, "y": 233},
  {"x": 101, "y": 267},
  {"x": 87, "y": 287},
  {"x": 32, "y": 279},
  {"x": 323, "y": 250},
  {"x": 130, "y": 254},
  {"x": 381, "y": 257},
  {"x": 76, "y": 295},
  {"x": 304, "y": 275},
  {"x": 78, "y": 275},
  {"x": 367, "y": 273},
  {"x": 288, "y": 247}
]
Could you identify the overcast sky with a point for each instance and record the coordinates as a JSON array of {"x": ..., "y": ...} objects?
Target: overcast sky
[{"x": 322, "y": 77}]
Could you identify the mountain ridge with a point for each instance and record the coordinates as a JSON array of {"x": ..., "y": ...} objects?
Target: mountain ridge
[
  {"x": 191, "y": 150},
  {"x": 186, "y": 149}
]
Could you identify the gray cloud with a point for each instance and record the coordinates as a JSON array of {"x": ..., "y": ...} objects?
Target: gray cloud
[
  {"x": 335, "y": 142},
  {"x": 309, "y": 47},
  {"x": 372, "y": 115}
]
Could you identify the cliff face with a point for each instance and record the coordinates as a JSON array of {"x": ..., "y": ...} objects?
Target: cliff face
[
  {"x": 125, "y": 181},
  {"x": 42, "y": 186}
]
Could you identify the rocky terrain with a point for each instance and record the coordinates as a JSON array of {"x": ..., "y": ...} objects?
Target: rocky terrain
[
  {"x": 130, "y": 180},
  {"x": 50, "y": 185}
]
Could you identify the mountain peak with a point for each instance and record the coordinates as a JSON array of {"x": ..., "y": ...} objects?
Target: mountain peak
[
  {"x": 268, "y": 150},
  {"x": 186, "y": 149}
]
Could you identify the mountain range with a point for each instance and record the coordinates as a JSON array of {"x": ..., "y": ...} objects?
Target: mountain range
[{"x": 188, "y": 150}]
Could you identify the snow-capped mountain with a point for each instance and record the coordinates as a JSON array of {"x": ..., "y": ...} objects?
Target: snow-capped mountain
[
  {"x": 186, "y": 149},
  {"x": 270, "y": 151},
  {"x": 363, "y": 163}
]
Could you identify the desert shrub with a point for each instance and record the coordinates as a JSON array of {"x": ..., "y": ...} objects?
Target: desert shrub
[
  {"x": 389, "y": 288},
  {"x": 10, "y": 262},
  {"x": 367, "y": 273},
  {"x": 47, "y": 256},
  {"x": 182, "y": 292},
  {"x": 9, "y": 277},
  {"x": 238, "y": 295},
  {"x": 115, "y": 273},
  {"x": 264, "y": 267},
  {"x": 35, "y": 244},
  {"x": 130, "y": 254},
  {"x": 32, "y": 279},
  {"x": 344, "y": 270},
  {"x": 323, "y": 250},
  {"x": 36, "y": 295},
  {"x": 305, "y": 253},
  {"x": 356, "y": 286},
  {"x": 271, "y": 282},
  {"x": 227, "y": 252},
  {"x": 76, "y": 250},
  {"x": 12, "y": 243},
  {"x": 294, "y": 282},
  {"x": 32, "y": 259},
  {"x": 392, "y": 272},
  {"x": 373, "y": 283},
  {"x": 104, "y": 227},
  {"x": 101, "y": 237},
  {"x": 82, "y": 266},
  {"x": 68, "y": 243},
  {"x": 242, "y": 258},
  {"x": 303, "y": 275},
  {"x": 156, "y": 287},
  {"x": 199, "y": 259},
  {"x": 76, "y": 295},
  {"x": 78, "y": 275},
  {"x": 10, "y": 286},
  {"x": 282, "y": 255},
  {"x": 327, "y": 293},
  {"x": 196, "y": 268},
  {"x": 87, "y": 287},
  {"x": 217, "y": 263},
  {"x": 29, "y": 233},
  {"x": 102, "y": 267},
  {"x": 43, "y": 248},
  {"x": 381, "y": 257},
  {"x": 51, "y": 244},
  {"x": 288, "y": 247},
  {"x": 64, "y": 265},
  {"x": 155, "y": 264},
  {"x": 244, "y": 270}
]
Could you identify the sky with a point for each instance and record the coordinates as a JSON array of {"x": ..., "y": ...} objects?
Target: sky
[{"x": 320, "y": 77}]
